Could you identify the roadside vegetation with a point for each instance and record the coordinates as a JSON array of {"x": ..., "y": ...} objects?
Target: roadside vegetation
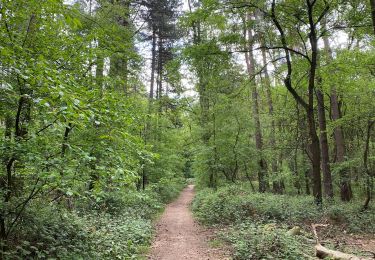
[
  {"x": 270, "y": 226},
  {"x": 118, "y": 225}
]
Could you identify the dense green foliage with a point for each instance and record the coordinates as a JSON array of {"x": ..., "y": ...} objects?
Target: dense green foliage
[
  {"x": 118, "y": 226},
  {"x": 286, "y": 109},
  {"x": 259, "y": 223},
  {"x": 256, "y": 241},
  {"x": 307, "y": 135},
  {"x": 87, "y": 159},
  {"x": 107, "y": 105},
  {"x": 236, "y": 205}
]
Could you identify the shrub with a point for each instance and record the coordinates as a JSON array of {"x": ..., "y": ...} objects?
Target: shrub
[
  {"x": 111, "y": 225},
  {"x": 167, "y": 189},
  {"x": 228, "y": 205},
  {"x": 119, "y": 237},
  {"x": 254, "y": 241},
  {"x": 49, "y": 231}
]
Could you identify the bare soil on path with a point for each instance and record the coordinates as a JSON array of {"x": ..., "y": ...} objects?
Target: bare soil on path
[{"x": 178, "y": 236}]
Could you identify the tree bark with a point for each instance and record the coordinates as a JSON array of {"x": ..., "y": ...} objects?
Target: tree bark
[
  {"x": 327, "y": 178},
  {"x": 206, "y": 136},
  {"x": 314, "y": 147},
  {"x": 276, "y": 185},
  {"x": 153, "y": 61},
  {"x": 64, "y": 144},
  {"x": 20, "y": 133},
  {"x": 250, "y": 63},
  {"x": 345, "y": 186},
  {"x": 204, "y": 102},
  {"x": 370, "y": 176},
  {"x": 159, "y": 77}
]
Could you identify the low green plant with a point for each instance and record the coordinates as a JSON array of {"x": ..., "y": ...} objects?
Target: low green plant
[
  {"x": 234, "y": 205},
  {"x": 49, "y": 231},
  {"x": 255, "y": 241},
  {"x": 111, "y": 225},
  {"x": 119, "y": 237},
  {"x": 256, "y": 225},
  {"x": 167, "y": 189}
]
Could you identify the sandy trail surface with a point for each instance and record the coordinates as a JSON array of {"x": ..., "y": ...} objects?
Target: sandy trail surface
[{"x": 178, "y": 236}]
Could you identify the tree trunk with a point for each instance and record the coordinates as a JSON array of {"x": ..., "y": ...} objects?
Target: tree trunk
[
  {"x": 153, "y": 61},
  {"x": 345, "y": 186},
  {"x": 3, "y": 183},
  {"x": 99, "y": 74},
  {"x": 22, "y": 118},
  {"x": 276, "y": 185},
  {"x": 64, "y": 144},
  {"x": 369, "y": 175},
  {"x": 206, "y": 136},
  {"x": 159, "y": 77},
  {"x": 315, "y": 159},
  {"x": 308, "y": 173},
  {"x": 327, "y": 178},
  {"x": 250, "y": 63},
  {"x": 314, "y": 146}
]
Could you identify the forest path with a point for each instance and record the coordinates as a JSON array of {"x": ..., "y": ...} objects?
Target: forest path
[{"x": 178, "y": 236}]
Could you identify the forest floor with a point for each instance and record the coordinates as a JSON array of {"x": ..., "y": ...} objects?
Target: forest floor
[{"x": 178, "y": 236}]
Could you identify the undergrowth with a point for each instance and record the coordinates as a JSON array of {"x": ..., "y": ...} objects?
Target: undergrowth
[
  {"x": 115, "y": 225},
  {"x": 248, "y": 216},
  {"x": 252, "y": 240}
]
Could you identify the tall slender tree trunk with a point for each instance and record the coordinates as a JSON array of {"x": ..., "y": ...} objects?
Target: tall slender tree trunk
[
  {"x": 21, "y": 119},
  {"x": 315, "y": 157},
  {"x": 250, "y": 63},
  {"x": 204, "y": 100},
  {"x": 147, "y": 127},
  {"x": 369, "y": 174},
  {"x": 327, "y": 178},
  {"x": 3, "y": 181},
  {"x": 153, "y": 63},
  {"x": 297, "y": 183},
  {"x": 276, "y": 184},
  {"x": 159, "y": 79},
  {"x": 206, "y": 136},
  {"x": 314, "y": 148},
  {"x": 125, "y": 61},
  {"x": 345, "y": 185},
  {"x": 126, "y": 75}
]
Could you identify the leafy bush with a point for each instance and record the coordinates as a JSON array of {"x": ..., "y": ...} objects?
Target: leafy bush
[
  {"x": 167, "y": 189},
  {"x": 258, "y": 222},
  {"x": 49, "y": 231},
  {"x": 119, "y": 237},
  {"x": 254, "y": 241},
  {"x": 113, "y": 225},
  {"x": 351, "y": 217},
  {"x": 134, "y": 203},
  {"x": 229, "y": 205}
]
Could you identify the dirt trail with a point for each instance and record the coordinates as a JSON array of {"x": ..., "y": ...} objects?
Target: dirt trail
[{"x": 179, "y": 237}]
